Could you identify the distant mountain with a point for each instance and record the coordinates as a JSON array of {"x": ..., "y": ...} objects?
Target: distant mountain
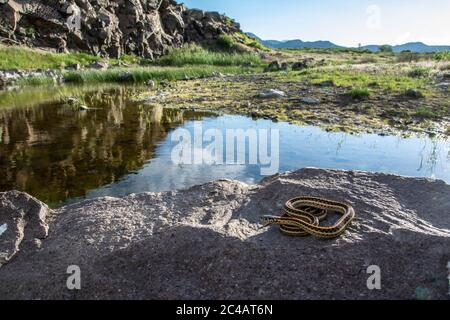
[
  {"x": 294, "y": 44},
  {"x": 298, "y": 44},
  {"x": 419, "y": 47}
]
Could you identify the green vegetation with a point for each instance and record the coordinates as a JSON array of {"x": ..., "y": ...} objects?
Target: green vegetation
[
  {"x": 425, "y": 113},
  {"x": 386, "y": 49},
  {"x": 253, "y": 43},
  {"x": 15, "y": 57},
  {"x": 419, "y": 72},
  {"x": 359, "y": 79},
  {"x": 226, "y": 42},
  {"x": 359, "y": 93},
  {"x": 195, "y": 55},
  {"x": 139, "y": 75},
  {"x": 442, "y": 56}
]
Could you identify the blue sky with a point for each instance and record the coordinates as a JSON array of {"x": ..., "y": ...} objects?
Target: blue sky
[{"x": 345, "y": 22}]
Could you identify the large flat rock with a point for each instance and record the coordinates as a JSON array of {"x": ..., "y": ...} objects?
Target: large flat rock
[{"x": 206, "y": 242}]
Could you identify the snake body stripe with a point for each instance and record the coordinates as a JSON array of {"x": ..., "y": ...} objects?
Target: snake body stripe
[{"x": 302, "y": 216}]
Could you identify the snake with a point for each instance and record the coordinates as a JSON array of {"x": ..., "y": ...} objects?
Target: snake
[{"x": 302, "y": 217}]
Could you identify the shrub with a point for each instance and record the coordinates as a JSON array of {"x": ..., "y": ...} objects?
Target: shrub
[
  {"x": 226, "y": 42},
  {"x": 419, "y": 72},
  {"x": 425, "y": 113},
  {"x": 359, "y": 93},
  {"x": 195, "y": 55},
  {"x": 442, "y": 56}
]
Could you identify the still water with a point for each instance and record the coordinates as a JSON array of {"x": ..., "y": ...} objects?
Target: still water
[{"x": 60, "y": 154}]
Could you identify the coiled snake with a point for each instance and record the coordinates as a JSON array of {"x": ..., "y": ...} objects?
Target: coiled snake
[{"x": 303, "y": 215}]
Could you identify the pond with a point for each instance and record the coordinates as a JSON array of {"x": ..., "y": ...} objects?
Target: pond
[{"x": 60, "y": 154}]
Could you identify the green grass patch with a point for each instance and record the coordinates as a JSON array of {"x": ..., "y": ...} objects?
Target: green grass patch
[
  {"x": 419, "y": 72},
  {"x": 359, "y": 93},
  {"x": 361, "y": 79},
  {"x": 195, "y": 55},
  {"x": 442, "y": 56},
  {"x": 226, "y": 42},
  {"x": 425, "y": 113},
  {"x": 17, "y": 57},
  {"x": 141, "y": 75},
  {"x": 253, "y": 43}
]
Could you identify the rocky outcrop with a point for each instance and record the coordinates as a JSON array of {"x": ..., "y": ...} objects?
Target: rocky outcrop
[
  {"x": 110, "y": 28},
  {"x": 22, "y": 223},
  {"x": 206, "y": 242}
]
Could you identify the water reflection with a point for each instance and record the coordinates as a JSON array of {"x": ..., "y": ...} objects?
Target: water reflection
[{"x": 56, "y": 153}]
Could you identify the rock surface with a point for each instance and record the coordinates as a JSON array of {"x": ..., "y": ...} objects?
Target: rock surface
[
  {"x": 206, "y": 242},
  {"x": 23, "y": 223},
  {"x": 109, "y": 28}
]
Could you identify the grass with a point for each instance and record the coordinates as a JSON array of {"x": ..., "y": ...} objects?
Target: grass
[
  {"x": 425, "y": 113},
  {"x": 360, "y": 79},
  {"x": 226, "y": 42},
  {"x": 419, "y": 72},
  {"x": 253, "y": 43},
  {"x": 442, "y": 56},
  {"x": 195, "y": 55},
  {"x": 359, "y": 93},
  {"x": 139, "y": 75},
  {"x": 17, "y": 57}
]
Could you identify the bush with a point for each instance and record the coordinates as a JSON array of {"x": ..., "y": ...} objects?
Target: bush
[
  {"x": 419, "y": 72},
  {"x": 195, "y": 55},
  {"x": 442, "y": 56},
  {"x": 226, "y": 42},
  {"x": 425, "y": 113},
  {"x": 359, "y": 93}
]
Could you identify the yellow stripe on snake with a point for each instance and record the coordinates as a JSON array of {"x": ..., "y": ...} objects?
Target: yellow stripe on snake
[{"x": 303, "y": 215}]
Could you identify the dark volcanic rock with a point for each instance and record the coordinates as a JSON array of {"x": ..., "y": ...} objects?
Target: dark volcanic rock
[
  {"x": 206, "y": 242},
  {"x": 110, "y": 28}
]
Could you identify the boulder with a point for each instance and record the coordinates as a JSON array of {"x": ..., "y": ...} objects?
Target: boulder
[
  {"x": 273, "y": 67},
  {"x": 207, "y": 243},
  {"x": 414, "y": 94},
  {"x": 303, "y": 64},
  {"x": 271, "y": 94},
  {"x": 22, "y": 223},
  {"x": 310, "y": 100},
  {"x": 100, "y": 65}
]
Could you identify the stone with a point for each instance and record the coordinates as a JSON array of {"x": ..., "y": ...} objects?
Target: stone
[
  {"x": 443, "y": 86},
  {"x": 100, "y": 65},
  {"x": 327, "y": 83},
  {"x": 150, "y": 84},
  {"x": 22, "y": 220},
  {"x": 300, "y": 65},
  {"x": 310, "y": 100},
  {"x": 414, "y": 93},
  {"x": 273, "y": 67},
  {"x": 206, "y": 242},
  {"x": 75, "y": 66},
  {"x": 271, "y": 94}
]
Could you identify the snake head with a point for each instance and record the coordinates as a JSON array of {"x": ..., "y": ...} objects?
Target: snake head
[{"x": 268, "y": 220}]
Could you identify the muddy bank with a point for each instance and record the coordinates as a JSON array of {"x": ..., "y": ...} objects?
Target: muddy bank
[{"x": 206, "y": 242}]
